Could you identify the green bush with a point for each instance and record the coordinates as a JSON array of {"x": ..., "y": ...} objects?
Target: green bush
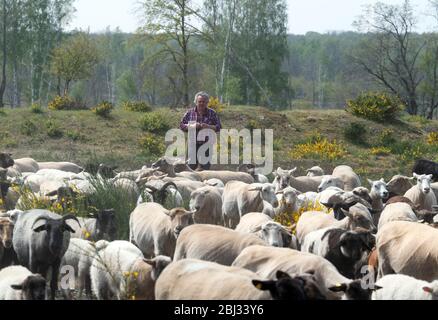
[
  {"x": 65, "y": 103},
  {"x": 155, "y": 122},
  {"x": 36, "y": 108},
  {"x": 103, "y": 109},
  {"x": 53, "y": 129},
  {"x": 28, "y": 128},
  {"x": 375, "y": 106},
  {"x": 152, "y": 144},
  {"x": 356, "y": 133},
  {"x": 136, "y": 106}
]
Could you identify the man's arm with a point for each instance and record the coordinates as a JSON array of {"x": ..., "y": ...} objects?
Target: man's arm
[{"x": 185, "y": 122}]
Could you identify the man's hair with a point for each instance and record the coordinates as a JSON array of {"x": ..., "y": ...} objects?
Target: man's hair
[{"x": 201, "y": 94}]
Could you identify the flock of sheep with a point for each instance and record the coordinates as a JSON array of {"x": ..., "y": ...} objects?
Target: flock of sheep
[{"x": 212, "y": 235}]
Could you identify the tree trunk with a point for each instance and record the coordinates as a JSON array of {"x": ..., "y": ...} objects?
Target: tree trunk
[{"x": 3, "y": 83}]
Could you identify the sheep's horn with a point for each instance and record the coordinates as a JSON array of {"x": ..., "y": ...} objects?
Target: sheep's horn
[
  {"x": 168, "y": 184},
  {"x": 71, "y": 217}
]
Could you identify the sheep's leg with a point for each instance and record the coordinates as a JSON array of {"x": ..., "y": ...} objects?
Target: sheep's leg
[{"x": 54, "y": 279}]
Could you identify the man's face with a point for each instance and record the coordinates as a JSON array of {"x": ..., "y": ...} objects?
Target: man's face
[{"x": 202, "y": 103}]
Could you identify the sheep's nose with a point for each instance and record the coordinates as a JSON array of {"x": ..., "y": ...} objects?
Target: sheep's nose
[
  {"x": 275, "y": 203},
  {"x": 385, "y": 194},
  {"x": 319, "y": 189},
  {"x": 197, "y": 208},
  {"x": 426, "y": 190}
]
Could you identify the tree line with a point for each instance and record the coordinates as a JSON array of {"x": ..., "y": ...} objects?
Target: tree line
[{"x": 238, "y": 51}]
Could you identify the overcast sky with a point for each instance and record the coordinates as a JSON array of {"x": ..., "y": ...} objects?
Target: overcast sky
[{"x": 304, "y": 15}]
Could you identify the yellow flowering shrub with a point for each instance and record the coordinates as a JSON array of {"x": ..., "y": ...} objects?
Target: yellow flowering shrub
[
  {"x": 103, "y": 109},
  {"x": 375, "y": 106},
  {"x": 152, "y": 144},
  {"x": 432, "y": 138},
  {"x": 290, "y": 219},
  {"x": 320, "y": 149},
  {"x": 216, "y": 105},
  {"x": 380, "y": 151}
]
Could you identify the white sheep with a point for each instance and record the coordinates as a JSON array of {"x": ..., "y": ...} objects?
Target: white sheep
[
  {"x": 421, "y": 194},
  {"x": 330, "y": 181},
  {"x": 18, "y": 283},
  {"x": 120, "y": 271},
  {"x": 155, "y": 229},
  {"x": 399, "y": 211},
  {"x": 240, "y": 198},
  {"x": 402, "y": 287},
  {"x": 348, "y": 176},
  {"x": 315, "y": 172},
  {"x": 207, "y": 203}
]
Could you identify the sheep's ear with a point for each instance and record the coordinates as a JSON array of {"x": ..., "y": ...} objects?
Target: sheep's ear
[
  {"x": 256, "y": 229},
  {"x": 282, "y": 275},
  {"x": 263, "y": 285},
  {"x": 377, "y": 288},
  {"x": 415, "y": 175},
  {"x": 291, "y": 172},
  {"x": 370, "y": 182},
  {"x": 382, "y": 180},
  {"x": 428, "y": 290},
  {"x": 17, "y": 286},
  {"x": 430, "y": 176},
  {"x": 150, "y": 262},
  {"x": 255, "y": 189}
]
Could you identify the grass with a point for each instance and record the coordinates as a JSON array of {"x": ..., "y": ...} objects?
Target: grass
[{"x": 88, "y": 139}]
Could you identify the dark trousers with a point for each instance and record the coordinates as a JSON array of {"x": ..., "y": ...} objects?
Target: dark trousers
[{"x": 197, "y": 164}]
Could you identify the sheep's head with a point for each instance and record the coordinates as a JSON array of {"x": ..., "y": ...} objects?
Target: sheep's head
[
  {"x": 106, "y": 224},
  {"x": 158, "y": 264},
  {"x": 267, "y": 192},
  {"x": 197, "y": 199},
  {"x": 353, "y": 244},
  {"x": 163, "y": 165},
  {"x": 180, "y": 218},
  {"x": 423, "y": 182},
  {"x": 399, "y": 184},
  {"x": 6, "y": 160},
  {"x": 6, "y": 232},
  {"x": 284, "y": 176},
  {"x": 32, "y": 288},
  {"x": 55, "y": 229},
  {"x": 291, "y": 287},
  {"x": 289, "y": 197},
  {"x": 360, "y": 217},
  {"x": 330, "y": 181},
  {"x": 379, "y": 189},
  {"x": 274, "y": 234}
]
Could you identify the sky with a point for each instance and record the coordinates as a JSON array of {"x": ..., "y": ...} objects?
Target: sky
[{"x": 304, "y": 15}]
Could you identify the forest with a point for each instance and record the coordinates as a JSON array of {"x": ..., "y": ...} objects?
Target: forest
[{"x": 238, "y": 51}]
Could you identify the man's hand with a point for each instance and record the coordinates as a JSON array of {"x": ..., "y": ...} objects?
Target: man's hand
[{"x": 206, "y": 126}]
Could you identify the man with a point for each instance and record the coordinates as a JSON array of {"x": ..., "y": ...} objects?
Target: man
[{"x": 201, "y": 117}]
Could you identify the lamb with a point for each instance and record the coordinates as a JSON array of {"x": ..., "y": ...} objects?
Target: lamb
[
  {"x": 155, "y": 229},
  {"x": 6, "y": 160},
  {"x": 62, "y": 166},
  {"x": 99, "y": 226},
  {"x": 315, "y": 172},
  {"x": 399, "y": 185},
  {"x": 213, "y": 243},
  {"x": 207, "y": 202},
  {"x": 273, "y": 233},
  {"x": 18, "y": 283},
  {"x": 266, "y": 261},
  {"x": 80, "y": 255},
  {"x": 348, "y": 176},
  {"x": 40, "y": 240},
  {"x": 407, "y": 248},
  {"x": 240, "y": 198},
  {"x": 192, "y": 279},
  {"x": 343, "y": 248},
  {"x": 402, "y": 287},
  {"x": 284, "y": 178},
  {"x": 421, "y": 194},
  {"x": 426, "y": 167},
  {"x": 7, "y": 253},
  {"x": 120, "y": 271},
  {"x": 397, "y": 212},
  {"x": 358, "y": 216}
]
